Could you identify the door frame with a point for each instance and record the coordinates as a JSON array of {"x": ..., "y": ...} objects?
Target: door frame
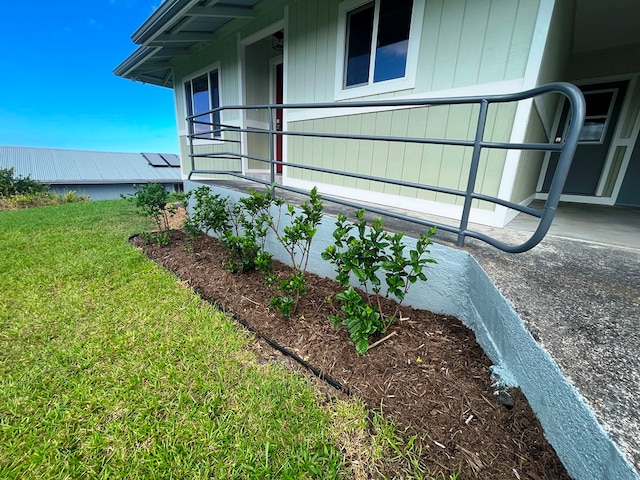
[
  {"x": 273, "y": 99},
  {"x": 243, "y": 43},
  {"x": 616, "y": 141}
]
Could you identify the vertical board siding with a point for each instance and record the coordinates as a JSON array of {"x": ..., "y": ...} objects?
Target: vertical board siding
[
  {"x": 446, "y": 166},
  {"x": 469, "y": 42},
  {"x": 448, "y": 43},
  {"x": 312, "y": 39},
  {"x": 474, "y": 26},
  {"x": 395, "y": 164},
  {"x": 463, "y": 43},
  {"x": 380, "y": 158},
  {"x": 530, "y": 161},
  {"x": 210, "y": 163},
  {"x": 497, "y": 42},
  {"x": 413, "y": 153}
]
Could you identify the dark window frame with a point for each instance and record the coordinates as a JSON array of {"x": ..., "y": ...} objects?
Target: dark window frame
[{"x": 210, "y": 128}]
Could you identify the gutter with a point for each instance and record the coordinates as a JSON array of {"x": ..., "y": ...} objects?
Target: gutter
[{"x": 133, "y": 60}]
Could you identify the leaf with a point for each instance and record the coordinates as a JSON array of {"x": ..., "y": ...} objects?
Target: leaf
[
  {"x": 362, "y": 345},
  {"x": 360, "y": 274}
]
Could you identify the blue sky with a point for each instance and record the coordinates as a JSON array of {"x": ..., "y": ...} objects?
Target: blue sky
[{"x": 57, "y": 87}]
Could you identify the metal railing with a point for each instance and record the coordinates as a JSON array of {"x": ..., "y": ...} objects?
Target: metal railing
[{"x": 203, "y": 129}]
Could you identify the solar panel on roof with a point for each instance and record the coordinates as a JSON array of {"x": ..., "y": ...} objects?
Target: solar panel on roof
[
  {"x": 172, "y": 159},
  {"x": 155, "y": 159}
]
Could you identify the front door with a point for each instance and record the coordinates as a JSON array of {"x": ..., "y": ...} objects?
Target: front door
[{"x": 604, "y": 103}]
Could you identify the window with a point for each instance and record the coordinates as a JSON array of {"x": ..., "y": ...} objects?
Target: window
[
  {"x": 203, "y": 95},
  {"x": 599, "y": 108},
  {"x": 377, "y": 42}
]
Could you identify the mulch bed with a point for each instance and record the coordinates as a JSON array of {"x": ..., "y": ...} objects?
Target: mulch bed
[{"x": 431, "y": 376}]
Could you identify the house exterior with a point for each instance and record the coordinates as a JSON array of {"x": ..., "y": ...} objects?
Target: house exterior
[
  {"x": 101, "y": 175},
  {"x": 247, "y": 52}
]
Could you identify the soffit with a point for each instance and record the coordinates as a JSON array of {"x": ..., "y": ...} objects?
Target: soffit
[
  {"x": 172, "y": 30},
  {"x": 600, "y": 24}
]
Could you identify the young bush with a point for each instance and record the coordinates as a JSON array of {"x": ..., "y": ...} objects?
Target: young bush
[
  {"x": 296, "y": 238},
  {"x": 72, "y": 197},
  {"x": 152, "y": 200},
  {"x": 242, "y": 228},
  {"x": 236, "y": 225},
  {"x": 368, "y": 255},
  {"x": 11, "y": 184}
]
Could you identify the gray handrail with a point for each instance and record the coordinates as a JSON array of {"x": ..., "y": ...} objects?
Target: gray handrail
[{"x": 566, "y": 148}]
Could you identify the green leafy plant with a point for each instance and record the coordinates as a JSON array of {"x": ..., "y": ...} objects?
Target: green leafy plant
[
  {"x": 360, "y": 318},
  {"x": 211, "y": 212},
  {"x": 163, "y": 238},
  {"x": 152, "y": 200},
  {"x": 237, "y": 226},
  {"x": 12, "y": 184},
  {"x": 369, "y": 254},
  {"x": 72, "y": 197},
  {"x": 242, "y": 228},
  {"x": 296, "y": 238}
]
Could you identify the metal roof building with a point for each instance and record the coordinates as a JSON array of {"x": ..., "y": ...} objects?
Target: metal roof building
[{"x": 101, "y": 175}]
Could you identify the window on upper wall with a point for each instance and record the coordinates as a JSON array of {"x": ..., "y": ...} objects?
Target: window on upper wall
[
  {"x": 377, "y": 42},
  {"x": 202, "y": 94}
]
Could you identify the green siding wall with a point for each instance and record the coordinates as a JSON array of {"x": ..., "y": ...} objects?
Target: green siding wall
[
  {"x": 446, "y": 166},
  {"x": 530, "y": 162},
  {"x": 463, "y": 43},
  {"x": 312, "y": 50},
  {"x": 210, "y": 163}
]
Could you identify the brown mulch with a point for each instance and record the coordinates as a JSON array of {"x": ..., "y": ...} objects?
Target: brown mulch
[{"x": 431, "y": 376}]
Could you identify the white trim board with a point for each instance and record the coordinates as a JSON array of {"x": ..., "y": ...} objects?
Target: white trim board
[
  {"x": 432, "y": 208},
  {"x": 486, "y": 89}
]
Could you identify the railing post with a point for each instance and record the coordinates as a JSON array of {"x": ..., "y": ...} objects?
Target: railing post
[
  {"x": 191, "y": 129},
  {"x": 272, "y": 146},
  {"x": 473, "y": 170}
]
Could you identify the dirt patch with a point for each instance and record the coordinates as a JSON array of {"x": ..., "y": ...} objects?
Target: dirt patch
[{"x": 431, "y": 376}]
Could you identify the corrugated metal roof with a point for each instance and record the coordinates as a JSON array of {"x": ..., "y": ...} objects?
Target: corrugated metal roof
[{"x": 83, "y": 166}]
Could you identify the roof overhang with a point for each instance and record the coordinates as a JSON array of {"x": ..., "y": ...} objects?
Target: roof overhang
[{"x": 172, "y": 30}]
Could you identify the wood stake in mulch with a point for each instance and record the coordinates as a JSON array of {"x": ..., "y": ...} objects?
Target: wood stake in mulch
[{"x": 375, "y": 344}]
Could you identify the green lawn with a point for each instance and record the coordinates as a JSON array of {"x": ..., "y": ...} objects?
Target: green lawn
[{"x": 110, "y": 368}]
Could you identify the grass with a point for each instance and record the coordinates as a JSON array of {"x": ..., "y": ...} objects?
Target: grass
[{"x": 110, "y": 368}]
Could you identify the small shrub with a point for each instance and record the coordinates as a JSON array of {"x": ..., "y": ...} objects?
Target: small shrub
[
  {"x": 369, "y": 254},
  {"x": 359, "y": 317},
  {"x": 11, "y": 184},
  {"x": 152, "y": 200},
  {"x": 242, "y": 228},
  {"x": 71, "y": 197},
  {"x": 296, "y": 239},
  {"x": 236, "y": 225}
]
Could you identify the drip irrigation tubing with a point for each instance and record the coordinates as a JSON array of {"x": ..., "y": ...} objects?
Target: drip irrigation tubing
[{"x": 284, "y": 350}]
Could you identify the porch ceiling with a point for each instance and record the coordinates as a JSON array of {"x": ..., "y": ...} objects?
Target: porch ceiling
[
  {"x": 603, "y": 24},
  {"x": 172, "y": 30}
]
